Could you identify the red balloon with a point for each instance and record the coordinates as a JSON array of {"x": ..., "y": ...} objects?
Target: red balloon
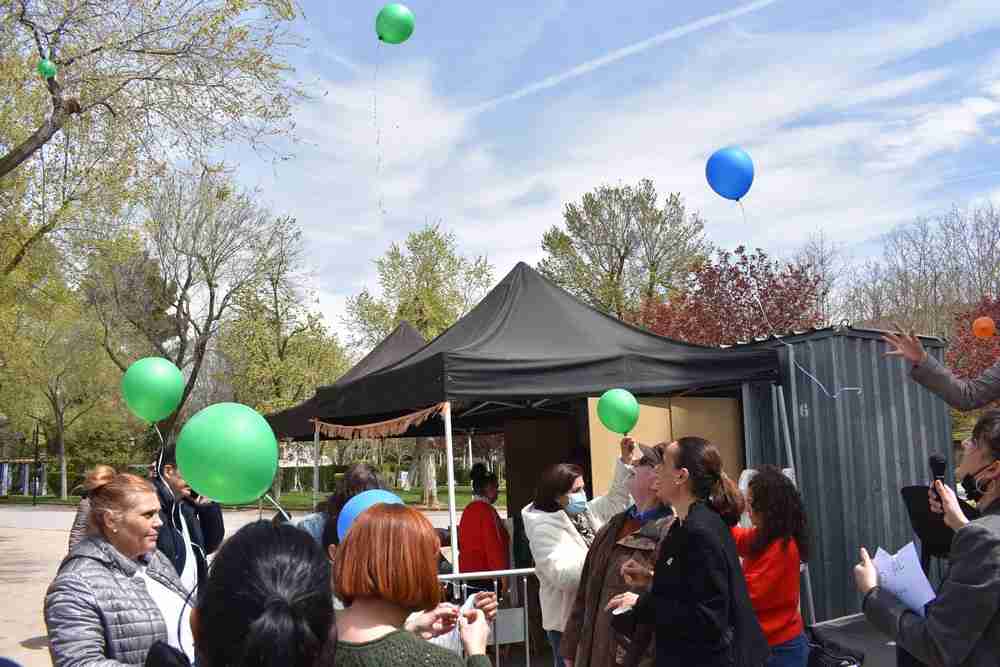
[{"x": 984, "y": 327}]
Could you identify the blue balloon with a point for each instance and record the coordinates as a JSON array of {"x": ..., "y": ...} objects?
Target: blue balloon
[
  {"x": 358, "y": 504},
  {"x": 730, "y": 172}
]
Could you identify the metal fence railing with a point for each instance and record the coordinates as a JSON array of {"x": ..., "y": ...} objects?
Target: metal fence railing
[{"x": 511, "y": 625}]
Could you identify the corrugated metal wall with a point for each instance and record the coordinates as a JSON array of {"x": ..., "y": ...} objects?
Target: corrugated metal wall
[{"x": 853, "y": 452}]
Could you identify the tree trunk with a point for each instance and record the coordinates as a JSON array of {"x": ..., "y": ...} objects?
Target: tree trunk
[
  {"x": 61, "y": 446},
  {"x": 430, "y": 482},
  {"x": 23, "y": 151}
]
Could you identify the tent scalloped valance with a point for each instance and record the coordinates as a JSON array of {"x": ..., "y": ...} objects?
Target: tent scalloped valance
[{"x": 384, "y": 429}]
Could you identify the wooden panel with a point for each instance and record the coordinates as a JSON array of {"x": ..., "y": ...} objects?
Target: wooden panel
[
  {"x": 715, "y": 419},
  {"x": 531, "y": 445},
  {"x": 653, "y": 427}
]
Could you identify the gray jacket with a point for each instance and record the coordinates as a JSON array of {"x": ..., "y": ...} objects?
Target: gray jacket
[
  {"x": 959, "y": 394},
  {"x": 962, "y": 626},
  {"x": 80, "y": 523},
  {"x": 98, "y": 613}
]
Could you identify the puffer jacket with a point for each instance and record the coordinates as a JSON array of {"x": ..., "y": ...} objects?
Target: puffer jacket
[
  {"x": 560, "y": 551},
  {"x": 98, "y": 613}
]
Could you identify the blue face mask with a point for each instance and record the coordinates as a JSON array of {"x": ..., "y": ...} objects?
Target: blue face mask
[{"x": 577, "y": 503}]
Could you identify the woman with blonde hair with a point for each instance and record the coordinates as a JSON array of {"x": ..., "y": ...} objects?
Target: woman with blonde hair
[
  {"x": 96, "y": 477},
  {"x": 115, "y": 595}
]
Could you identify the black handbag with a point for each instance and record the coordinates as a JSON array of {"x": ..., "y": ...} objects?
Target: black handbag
[
  {"x": 824, "y": 652},
  {"x": 163, "y": 655}
]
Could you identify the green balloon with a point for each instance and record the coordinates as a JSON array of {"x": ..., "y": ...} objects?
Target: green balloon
[
  {"x": 228, "y": 452},
  {"x": 618, "y": 410},
  {"x": 153, "y": 388},
  {"x": 394, "y": 23},
  {"x": 47, "y": 68}
]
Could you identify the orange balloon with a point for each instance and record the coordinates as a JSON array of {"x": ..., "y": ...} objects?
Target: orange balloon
[{"x": 984, "y": 327}]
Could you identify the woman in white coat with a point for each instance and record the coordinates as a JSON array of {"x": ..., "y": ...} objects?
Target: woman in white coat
[{"x": 560, "y": 525}]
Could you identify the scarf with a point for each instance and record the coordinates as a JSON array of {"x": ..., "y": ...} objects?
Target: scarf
[
  {"x": 583, "y": 526},
  {"x": 657, "y": 512}
]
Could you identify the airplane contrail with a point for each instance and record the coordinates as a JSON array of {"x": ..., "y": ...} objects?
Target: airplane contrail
[{"x": 624, "y": 52}]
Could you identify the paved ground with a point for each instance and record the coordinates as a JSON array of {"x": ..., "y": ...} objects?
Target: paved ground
[{"x": 32, "y": 543}]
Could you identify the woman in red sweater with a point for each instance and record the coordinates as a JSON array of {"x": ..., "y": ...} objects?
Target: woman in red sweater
[
  {"x": 483, "y": 541},
  {"x": 772, "y": 551}
]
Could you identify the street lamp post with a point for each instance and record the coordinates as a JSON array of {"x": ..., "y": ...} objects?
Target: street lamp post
[{"x": 34, "y": 489}]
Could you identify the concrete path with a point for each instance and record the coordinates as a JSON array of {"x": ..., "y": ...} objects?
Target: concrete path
[{"x": 33, "y": 541}]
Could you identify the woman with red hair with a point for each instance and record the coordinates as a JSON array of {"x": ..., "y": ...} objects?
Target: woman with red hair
[{"x": 386, "y": 569}]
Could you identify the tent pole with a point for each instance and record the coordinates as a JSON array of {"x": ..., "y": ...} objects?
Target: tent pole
[
  {"x": 315, "y": 465},
  {"x": 452, "y": 514}
]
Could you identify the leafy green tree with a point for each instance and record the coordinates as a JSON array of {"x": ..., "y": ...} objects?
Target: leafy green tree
[
  {"x": 619, "y": 248},
  {"x": 64, "y": 372},
  {"x": 426, "y": 282},
  {"x": 276, "y": 350},
  {"x": 174, "y": 74}
]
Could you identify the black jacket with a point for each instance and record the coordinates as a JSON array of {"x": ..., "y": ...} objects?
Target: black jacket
[
  {"x": 204, "y": 522},
  {"x": 699, "y": 601}
]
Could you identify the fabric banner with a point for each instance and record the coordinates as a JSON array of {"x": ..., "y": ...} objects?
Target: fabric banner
[{"x": 384, "y": 429}]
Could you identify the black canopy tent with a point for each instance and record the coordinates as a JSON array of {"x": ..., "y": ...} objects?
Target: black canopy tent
[
  {"x": 296, "y": 422},
  {"x": 527, "y": 346},
  {"x": 529, "y": 343}
]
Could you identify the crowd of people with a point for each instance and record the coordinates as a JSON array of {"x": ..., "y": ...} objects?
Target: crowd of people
[{"x": 656, "y": 572}]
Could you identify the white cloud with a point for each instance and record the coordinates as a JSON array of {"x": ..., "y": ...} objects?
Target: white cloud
[
  {"x": 626, "y": 52},
  {"x": 833, "y": 129}
]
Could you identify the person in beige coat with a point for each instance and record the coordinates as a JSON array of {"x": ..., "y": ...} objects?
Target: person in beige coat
[{"x": 560, "y": 526}]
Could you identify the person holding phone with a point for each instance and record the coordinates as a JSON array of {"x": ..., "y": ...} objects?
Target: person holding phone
[{"x": 961, "y": 626}]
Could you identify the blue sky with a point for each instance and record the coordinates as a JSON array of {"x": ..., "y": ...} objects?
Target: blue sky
[{"x": 494, "y": 115}]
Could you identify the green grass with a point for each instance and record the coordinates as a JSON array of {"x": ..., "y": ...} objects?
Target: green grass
[
  {"x": 301, "y": 502},
  {"x": 42, "y": 500}
]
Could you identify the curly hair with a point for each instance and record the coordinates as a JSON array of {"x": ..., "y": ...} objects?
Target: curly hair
[{"x": 779, "y": 505}]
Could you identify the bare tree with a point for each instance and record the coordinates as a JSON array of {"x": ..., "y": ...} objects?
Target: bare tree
[
  {"x": 929, "y": 269},
  {"x": 208, "y": 242},
  {"x": 826, "y": 261}
]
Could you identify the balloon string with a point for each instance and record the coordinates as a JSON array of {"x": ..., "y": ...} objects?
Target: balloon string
[
  {"x": 836, "y": 394},
  {"x": 281, "y": 510},
  {"x": 156, "y": 427},
  {"x": 378, "y": 130},
  {"x": 740, "y": 202}
]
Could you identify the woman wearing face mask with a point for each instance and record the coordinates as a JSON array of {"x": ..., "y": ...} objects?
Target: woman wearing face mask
[
  {"x": 698, "y": 602},
  {"x": 961, "y": 626},
  {"x": 483, "y": 540},
  {"x": 630, "y": 537},
  {"x": 560, "y": 525}
]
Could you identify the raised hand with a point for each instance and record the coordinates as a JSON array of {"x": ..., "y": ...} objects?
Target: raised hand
[{"x": 905, "y": 345}]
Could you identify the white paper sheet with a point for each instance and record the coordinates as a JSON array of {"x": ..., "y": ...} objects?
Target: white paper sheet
[{"x": 902, "y": 575}]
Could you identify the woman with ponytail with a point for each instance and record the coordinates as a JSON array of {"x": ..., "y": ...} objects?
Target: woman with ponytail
[
  {"x": 96, "y": 477},
  {"x": 265, "y": 603},
  {"x": 115, "y": 595},
  {"x": 698, "y": 601}
]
